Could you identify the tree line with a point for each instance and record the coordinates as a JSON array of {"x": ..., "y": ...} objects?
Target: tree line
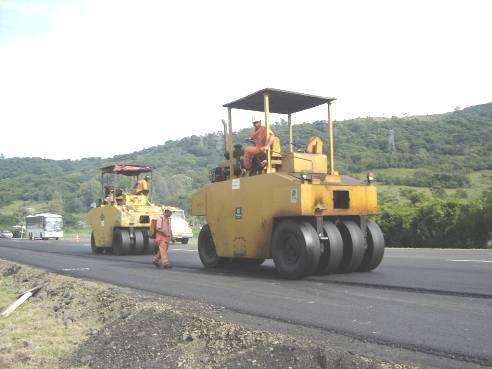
[
  {"x": 449, "y": 222},
  {"x": 442, "y": 150}
]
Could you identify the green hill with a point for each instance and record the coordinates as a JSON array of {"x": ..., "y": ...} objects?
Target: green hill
[{"x": 447, "y": 153}]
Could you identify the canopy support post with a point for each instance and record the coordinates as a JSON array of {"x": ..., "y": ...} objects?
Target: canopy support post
[
  {"x": 331, "y": 169},
  {"x": 229, "y": 143},
  {"x": 267, "y": 125},
  {"x": 290, "y": 131}
]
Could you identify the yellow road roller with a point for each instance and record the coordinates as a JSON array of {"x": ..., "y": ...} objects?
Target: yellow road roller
[
  {"x": 296, "y": 209},
  {"x": 121, "y": 222}
]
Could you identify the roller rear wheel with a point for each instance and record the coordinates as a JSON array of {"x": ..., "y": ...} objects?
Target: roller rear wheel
[
  {"x": 206, "y": 249},
  {"x": 138, "y": 246},
  {"x": 295, "y": 249},
  {"x": 94, "y": 248},
  {"x": 147, "y": 249},
  {"x": 121, "y": 242},
  {"x": 375, "y": 247},
  {"x": 332, "y": 254},
  {"x": 354, "y": 246}
]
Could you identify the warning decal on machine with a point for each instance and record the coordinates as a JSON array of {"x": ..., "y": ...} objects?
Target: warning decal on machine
[
  {"x": 236, "y": 184},
  {"x": 293, "y": 196}
]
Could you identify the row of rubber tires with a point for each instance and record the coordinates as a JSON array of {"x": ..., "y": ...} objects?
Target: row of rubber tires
[
  {"x": 125, "y": 244},
  {"x": 297, "y": 250}
]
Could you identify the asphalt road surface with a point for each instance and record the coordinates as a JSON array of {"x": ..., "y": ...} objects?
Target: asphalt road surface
[{"x": 429, "y": 302}]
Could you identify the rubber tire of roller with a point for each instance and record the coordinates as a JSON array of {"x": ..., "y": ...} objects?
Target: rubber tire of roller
[
  {"x": 375, "y": 247},
  {"x": 332, "y": 255},
  {"x": 354, "y": 246},
  {"x": 295, "y": 249},
  {"x": 206, "y": 249}
]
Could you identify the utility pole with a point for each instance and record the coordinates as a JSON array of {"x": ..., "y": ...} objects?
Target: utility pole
[{"x": 391, "y": 141}]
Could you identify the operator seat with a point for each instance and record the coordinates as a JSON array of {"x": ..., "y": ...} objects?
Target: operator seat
[
  {"x": 275, "y": 158},
  {"x": 314, "y": 145}
]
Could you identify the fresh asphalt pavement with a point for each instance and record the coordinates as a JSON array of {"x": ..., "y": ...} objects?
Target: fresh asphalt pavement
[{"x": 429, "y": 301}]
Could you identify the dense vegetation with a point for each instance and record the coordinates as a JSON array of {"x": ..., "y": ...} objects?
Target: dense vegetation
[
  {"x": 439, "y": 152},
  {"x": 437, "y": 222}
]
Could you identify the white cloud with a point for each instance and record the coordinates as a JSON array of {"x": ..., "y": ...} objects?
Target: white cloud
[{"x": 114, "y": 77}]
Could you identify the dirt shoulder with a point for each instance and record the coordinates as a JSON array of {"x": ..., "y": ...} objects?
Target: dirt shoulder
[{"x": 73, "y": 323}]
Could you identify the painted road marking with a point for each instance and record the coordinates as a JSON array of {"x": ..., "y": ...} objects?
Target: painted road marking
[
  {"x": 74, "y": 269},
  {"x": 183, "y": 250},
  {"x": 472, "y": 261}
]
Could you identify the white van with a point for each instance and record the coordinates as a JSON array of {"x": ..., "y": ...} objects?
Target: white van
[{"x": 182, "y": 231}]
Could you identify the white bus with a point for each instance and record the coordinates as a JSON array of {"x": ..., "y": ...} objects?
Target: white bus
[{"x": 44, "y": 226}]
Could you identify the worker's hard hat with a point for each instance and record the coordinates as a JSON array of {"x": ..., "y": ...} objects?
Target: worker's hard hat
[
  {"x": 255, "y": 119},
  {"x": 147, "y": 177}
]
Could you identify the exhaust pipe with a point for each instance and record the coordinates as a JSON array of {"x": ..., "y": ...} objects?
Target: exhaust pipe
[{"x": 224, "y": 123}]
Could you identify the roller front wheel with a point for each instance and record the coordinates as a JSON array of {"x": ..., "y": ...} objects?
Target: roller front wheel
[
  {"x": 138, "y": 242},
  {"x": 94, "y": 248},
  {"x": 206, "y": 249},
  {"x": 295, "y": 249},
  {"x": 331, "y": 257},
  {"x": 121, "y": 242},
  {"x": 354, "y": 246},
  {"x": 375, "y": 248}
]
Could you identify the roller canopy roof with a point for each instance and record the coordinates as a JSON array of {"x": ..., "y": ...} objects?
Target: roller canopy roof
[
  {"x": 281, "y": 102},
  {"x": 126, "y": 170}
]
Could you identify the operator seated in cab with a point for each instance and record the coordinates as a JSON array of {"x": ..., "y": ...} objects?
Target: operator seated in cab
[
  {"x": 262, "y": 143},
  {"x": 109, "y": 196},
  {"x": 142, "y": 186}
]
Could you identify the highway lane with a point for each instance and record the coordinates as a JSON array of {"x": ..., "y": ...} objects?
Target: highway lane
[{"x": 430, "y": 301}]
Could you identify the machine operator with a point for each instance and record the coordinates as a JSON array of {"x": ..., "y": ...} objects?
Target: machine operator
[
  {"x": 262, "y": 143},
  {"x": 142, "y": 187}
]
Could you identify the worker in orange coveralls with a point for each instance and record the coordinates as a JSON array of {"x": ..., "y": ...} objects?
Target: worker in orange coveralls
[
  {"x": 261, "y": 143},
  {"x": 163, "y": 234}
]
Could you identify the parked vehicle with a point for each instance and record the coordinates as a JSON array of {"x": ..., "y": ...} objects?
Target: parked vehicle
[
  {"x": 181, "y": 229},
  {"x": 44, "y": 226},
  {"x": 6, "y": 234}
]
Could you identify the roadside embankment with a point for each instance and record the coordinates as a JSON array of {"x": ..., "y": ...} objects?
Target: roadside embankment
[{"x": 73, "y": 323}]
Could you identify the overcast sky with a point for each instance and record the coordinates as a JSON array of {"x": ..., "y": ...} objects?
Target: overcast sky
[{"x": 100, "y": 78}]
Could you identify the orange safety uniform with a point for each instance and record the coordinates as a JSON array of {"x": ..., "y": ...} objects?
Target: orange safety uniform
[
  {"x": 142, "y": 185},
  {"x": 259, "y": 136},
  {"x": 163, "y": 235}
]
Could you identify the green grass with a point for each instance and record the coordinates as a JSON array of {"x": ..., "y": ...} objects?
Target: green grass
[
  {"x": 83, "y": 233},
  {"x": 7, "y": 292},
  {"x": 394, "y": 191},
  {"x": 480, "y": 181},
  {"x": 16, "y": 207},
  {"x": 396, "y": 172},
  {"x": 31, "y": 337}
]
